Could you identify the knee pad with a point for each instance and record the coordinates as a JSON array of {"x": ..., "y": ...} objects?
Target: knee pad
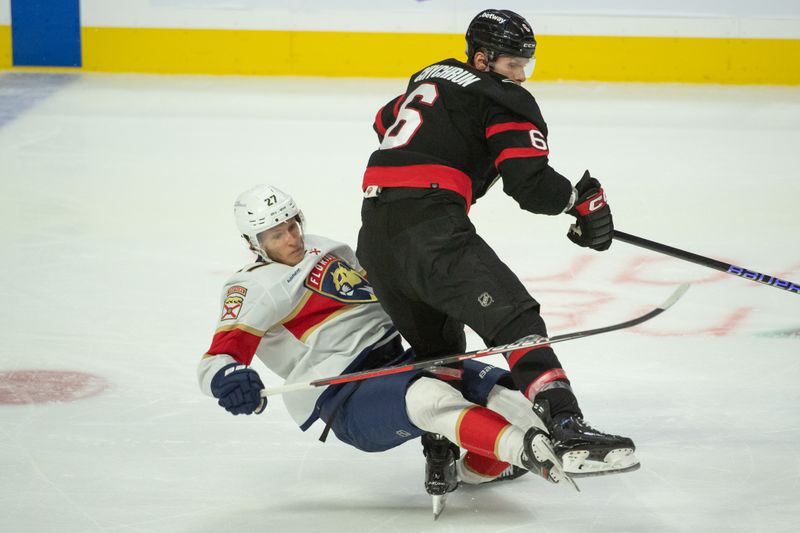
[{"x": 429, "y": 400}]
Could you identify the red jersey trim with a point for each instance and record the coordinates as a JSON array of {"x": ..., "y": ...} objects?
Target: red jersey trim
[
  {"x": 509, "y": 126},
  {"x": 379, "y": 123},
  {"x": 379, "y": 119},
  {"x": 514, "y": 153},
  {"x": 239, "y": 344},
  {"x": 315, "y": 310},
  {"x": 397, "y": 104},
  {"x": 422, "y": 177}
]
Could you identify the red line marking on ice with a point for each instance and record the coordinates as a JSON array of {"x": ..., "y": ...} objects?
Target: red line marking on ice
[
  {"x": 571, "y": 307},
  {"x": 579, "y": 264},
  {"x": 21, "y": 387},
  {"x": 633, "y": 273}
]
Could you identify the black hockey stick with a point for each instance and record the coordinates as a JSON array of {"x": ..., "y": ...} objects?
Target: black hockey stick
[
  {"x": 532, "y": 341},
  {"x": 758, "y": 277}
]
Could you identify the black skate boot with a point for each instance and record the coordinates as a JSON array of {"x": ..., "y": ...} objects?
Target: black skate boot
[
  {"x": 586, "y": 451},
  {"x": 440, "y": 469}
]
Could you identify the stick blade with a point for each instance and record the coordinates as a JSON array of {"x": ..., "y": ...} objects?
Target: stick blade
[{"x": 675, "y": 296}]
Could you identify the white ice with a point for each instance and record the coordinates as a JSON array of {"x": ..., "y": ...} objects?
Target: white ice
[{"x": 116, "y": 234}]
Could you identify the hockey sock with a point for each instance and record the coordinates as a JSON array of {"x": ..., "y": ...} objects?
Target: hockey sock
[
  {"x": 436, "y": 407},
  {"x": 514, "y": 407},
  {"x": 474, "y": 468},
  {"x": 538, "y": 373}
]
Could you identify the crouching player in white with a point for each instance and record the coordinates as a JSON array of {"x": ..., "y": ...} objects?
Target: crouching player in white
[{"x": 306, "y": 309}]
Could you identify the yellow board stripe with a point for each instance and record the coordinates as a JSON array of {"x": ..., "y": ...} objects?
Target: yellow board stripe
[
  {"x": 309, "y": 53},
  {"x": 354, "y": 54},
  {"x": 276, "y": 53},
  {"x": 5, "y": 46},
  {"x": 665, "y": 59}
]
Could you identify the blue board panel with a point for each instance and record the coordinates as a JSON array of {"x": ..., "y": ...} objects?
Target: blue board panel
[{"x": 46, "y": 33}]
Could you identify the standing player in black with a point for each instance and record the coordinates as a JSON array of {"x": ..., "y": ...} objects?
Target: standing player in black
[{"x": 456, "y": 131}]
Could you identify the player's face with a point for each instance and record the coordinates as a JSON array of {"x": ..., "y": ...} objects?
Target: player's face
[
  {"x": 284, "y": 243},
  {"x": 517, "y": 69}
]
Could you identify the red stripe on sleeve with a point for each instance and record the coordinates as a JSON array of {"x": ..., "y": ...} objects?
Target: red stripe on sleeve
[
  {"x": 514, "y": 153},
  {"x": 237, "y": 343},
  {"x": 509, "y": 126},
  {"x": 479, "y": 430}
]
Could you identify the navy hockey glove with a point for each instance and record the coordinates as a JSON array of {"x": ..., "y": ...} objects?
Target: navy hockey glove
[
  {"x": 238, "y": 389},
  {"x": 594, "y": 228}
]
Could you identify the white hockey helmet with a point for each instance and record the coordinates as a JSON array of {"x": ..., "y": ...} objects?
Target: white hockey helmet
[{"x": 261, "y": 208}]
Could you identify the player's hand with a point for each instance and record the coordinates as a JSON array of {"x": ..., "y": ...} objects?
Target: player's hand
[
  {"x": 238, "y": 389},
  {"x": 594, "y": 228}
]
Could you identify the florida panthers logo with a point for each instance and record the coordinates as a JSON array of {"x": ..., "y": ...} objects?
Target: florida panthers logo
[
  {"x": 335, "y": 279},
  {"x": 234, "y": 298},
  {"x": 346, "y": 280}
]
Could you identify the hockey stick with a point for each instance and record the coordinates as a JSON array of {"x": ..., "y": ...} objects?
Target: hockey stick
[
  {"x": 532, "y": 341},
  {"x": 764, "y": 279}
]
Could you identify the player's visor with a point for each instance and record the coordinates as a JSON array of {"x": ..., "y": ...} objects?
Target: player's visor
[{"x": 506, "y": 64}]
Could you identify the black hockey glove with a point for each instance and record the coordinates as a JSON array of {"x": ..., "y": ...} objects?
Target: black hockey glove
[
  {"x": 238, "y": 389},
  {"x": 595, "y": 227}
]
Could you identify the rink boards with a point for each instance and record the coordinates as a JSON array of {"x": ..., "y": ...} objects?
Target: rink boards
[{"x": 697, "y": 42}]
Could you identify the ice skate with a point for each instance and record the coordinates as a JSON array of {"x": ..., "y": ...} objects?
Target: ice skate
[
  {"x": 586, "y": 451},
  {"x": 440, "y": 469},
  {"x": 510, "y": 473},
  {"x": 540, "y": 458}
]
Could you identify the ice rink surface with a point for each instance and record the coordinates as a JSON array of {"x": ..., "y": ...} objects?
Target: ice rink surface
[{"x": 117, "y": 234}]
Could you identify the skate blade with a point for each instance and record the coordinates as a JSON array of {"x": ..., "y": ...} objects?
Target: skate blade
[
  {"x": 616, "y": 461},
  {"x": 439, "y": 502},
  {"x": 545, "y": 449}
]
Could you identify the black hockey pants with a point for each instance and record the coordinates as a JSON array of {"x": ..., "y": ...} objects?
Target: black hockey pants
[{"x": 433, "y": 274}]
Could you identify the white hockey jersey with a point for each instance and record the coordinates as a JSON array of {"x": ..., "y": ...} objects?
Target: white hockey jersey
[{"x": 304, "y": 322}]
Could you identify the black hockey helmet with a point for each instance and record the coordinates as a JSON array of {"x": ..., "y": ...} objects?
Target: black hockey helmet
[{"x": 500, "y": 31}]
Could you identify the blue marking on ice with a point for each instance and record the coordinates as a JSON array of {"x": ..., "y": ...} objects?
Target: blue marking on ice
[{"x": 22, "y": 91}]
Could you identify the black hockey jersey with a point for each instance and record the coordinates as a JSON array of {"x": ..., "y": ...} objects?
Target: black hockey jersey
[{"x": 460, "y": 129}]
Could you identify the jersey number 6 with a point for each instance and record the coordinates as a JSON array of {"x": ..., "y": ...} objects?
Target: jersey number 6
[{"x": 409, "y": 119}]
